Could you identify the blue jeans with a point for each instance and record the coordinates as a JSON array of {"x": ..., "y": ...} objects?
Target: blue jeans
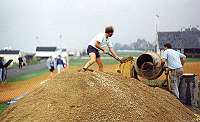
[{"x": 175, "y": 77}]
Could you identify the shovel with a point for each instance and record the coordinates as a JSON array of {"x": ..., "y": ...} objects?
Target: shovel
[
  {"x": 123, "y": 60},
  {"x": 114, "y": 57},
  {"x": 119, "y": 67}
]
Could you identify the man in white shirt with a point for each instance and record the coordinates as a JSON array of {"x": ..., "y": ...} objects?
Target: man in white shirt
[
  {"x": 175, "y": 61},
  {"x": 51, "y": 65},
  {"x": 100, "y": 42}
]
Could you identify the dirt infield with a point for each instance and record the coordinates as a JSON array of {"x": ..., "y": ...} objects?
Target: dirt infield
[
  {"x": 96, "y": 96},
  {"x": 193, "y": 67},
  {"x": 10, "y": 91}
]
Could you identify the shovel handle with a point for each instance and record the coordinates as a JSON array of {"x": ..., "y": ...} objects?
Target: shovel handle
[{"x": 113, "y": 57}]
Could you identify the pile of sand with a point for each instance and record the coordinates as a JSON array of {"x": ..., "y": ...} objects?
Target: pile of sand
[{"x": 97, "y": 97}]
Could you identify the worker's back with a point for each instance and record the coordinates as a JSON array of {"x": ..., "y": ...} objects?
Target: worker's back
[{"x": 173, "y": 58}]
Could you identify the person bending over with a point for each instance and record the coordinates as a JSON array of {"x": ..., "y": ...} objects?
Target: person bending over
[{"x": 99, "y": 43}]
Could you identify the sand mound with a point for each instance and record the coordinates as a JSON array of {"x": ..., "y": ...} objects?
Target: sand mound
[{"x": 97, "y": 97}]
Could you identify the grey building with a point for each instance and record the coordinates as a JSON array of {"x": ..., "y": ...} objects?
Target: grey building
[{"x": 188, "y": 42}]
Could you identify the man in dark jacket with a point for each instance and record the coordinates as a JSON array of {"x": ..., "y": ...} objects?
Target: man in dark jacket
[
  {"x": 1, "y": 68},
  {"x": 20, "y": 62}
]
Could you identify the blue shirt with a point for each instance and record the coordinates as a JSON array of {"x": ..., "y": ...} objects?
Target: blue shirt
[
  {"x": 60, "y": 61},
  {"x": 173, "y": 58}
]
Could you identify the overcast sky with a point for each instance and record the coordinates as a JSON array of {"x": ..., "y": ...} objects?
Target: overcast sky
[{"x": 73, "y": 23}]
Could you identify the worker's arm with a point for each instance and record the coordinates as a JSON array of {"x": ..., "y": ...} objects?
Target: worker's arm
[
  {"x": 113, "y": 52},
  {"x": 163, "y": 62},
  {"x": 166, "y": 69},
  {"x": 97, "y": 45},
  {"x": 183, "y": 60}
]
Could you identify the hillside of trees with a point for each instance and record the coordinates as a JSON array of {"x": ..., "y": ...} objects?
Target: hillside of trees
[{"x": 140, "y": 44}]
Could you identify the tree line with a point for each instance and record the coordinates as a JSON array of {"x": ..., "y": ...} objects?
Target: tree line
[{"x": 140, "y": 44}]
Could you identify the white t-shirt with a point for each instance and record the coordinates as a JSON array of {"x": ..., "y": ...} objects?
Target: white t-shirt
[
  {"x": 173, "y": 58},
  {"x": 102, "y": 39}
]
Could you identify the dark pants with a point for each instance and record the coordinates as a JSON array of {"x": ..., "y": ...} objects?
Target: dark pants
[
  {"x": 91, "y": 49},
  {"x": 20, "y": 65}
]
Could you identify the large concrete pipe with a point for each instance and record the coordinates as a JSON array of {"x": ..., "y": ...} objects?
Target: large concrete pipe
[{"x": 148, "y": 66}]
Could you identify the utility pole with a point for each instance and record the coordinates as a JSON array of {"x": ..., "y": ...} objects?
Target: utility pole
[
  {"x": 60, "y": 43},
  {"x": 156, "y": 28},
  {"x": 36, "y": 41}
]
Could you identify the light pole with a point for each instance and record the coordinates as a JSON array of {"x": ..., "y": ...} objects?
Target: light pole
[
  {"x": 36, "y": 38},
  {"x": 60, "y": 36},
  {"x": 156, "y": 28},
  {"x": 36, "y": 41},
  {"x": 157, "y": 18}
]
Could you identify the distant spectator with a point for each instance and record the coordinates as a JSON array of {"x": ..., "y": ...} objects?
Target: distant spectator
[
  {"x": 20, "y": 62},
  {"x": 2, "y": 69},
  {"x": 66, "y": 62},
  {"x": 24, "y": 61},
  {"x": 60, "y": 64},
  {"x": 50, "y": 64}
]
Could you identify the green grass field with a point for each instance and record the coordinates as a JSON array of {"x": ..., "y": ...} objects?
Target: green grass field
[
  {"x": 81, "y": 62},
  {"x": 193, "y": 59},
  {"x": 3, "y": 106},
  {"x": 127, "y": 54}
]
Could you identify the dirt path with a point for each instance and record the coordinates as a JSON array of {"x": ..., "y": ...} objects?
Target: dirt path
[
  {"x": 13, "y": 72},
  {"x": 12, "y": 90}
]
